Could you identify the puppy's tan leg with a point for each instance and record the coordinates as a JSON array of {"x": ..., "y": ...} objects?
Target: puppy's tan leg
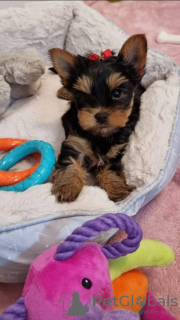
[
  {"x": 114, "y": 185},
  {"x": 63, "y": 93},
  {"x": 68, "y": 182},
  {"x": 70, "y": 174}
]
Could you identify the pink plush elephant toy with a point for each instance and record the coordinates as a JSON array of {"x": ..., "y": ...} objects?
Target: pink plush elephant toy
[{"x": 72, "y": 280}]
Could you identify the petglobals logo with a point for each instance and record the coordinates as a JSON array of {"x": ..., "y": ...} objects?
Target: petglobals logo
[
  {"x": 72, "y": 306},
  {"x": 126, "y": 301}
]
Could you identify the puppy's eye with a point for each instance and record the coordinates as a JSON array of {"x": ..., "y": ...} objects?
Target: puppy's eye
[
  {"x": 116, "y": 94},
  {"x": 86, "y": 283}
]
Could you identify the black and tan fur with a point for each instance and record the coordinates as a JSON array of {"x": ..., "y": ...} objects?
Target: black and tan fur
[{"x": 104, "y": 109}]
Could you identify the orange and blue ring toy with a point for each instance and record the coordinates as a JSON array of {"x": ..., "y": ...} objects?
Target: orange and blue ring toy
[
  {"x": 9, "y": 178},
  {"x": 39, "y": 173}
]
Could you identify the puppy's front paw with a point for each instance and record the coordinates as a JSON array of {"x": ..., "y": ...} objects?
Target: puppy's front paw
[
  {"x": 119, "y": 191},
  {"x": 114, "y": 185},
  {"x": 65, "y": 192},
  {"x": 68, "y": 183}
]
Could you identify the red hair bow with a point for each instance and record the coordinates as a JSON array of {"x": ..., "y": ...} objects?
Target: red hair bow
[{"x": 105, "y": 54}]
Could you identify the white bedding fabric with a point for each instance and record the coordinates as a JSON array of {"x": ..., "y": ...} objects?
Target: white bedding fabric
[
  {"x": 39, "y": 24},
  {"x": 38, "y": 117}
]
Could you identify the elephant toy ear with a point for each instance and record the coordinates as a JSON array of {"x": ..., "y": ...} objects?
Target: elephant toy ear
[
  {"x": 94, "y": 227},
  {"x": 16, "y": 311},
  {"x": 151, "y": 253}
]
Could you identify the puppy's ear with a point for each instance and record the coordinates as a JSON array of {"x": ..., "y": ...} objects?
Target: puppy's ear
[
  {"x": 134, "y": 52},
  {"x": 63, "y": 63}
]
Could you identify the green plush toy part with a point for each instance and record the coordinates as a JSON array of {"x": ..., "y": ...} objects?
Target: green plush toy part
[{"x": 151, "y": 253}]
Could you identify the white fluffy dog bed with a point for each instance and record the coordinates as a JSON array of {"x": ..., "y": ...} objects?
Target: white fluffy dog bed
[{"x": 33, "y": 220}]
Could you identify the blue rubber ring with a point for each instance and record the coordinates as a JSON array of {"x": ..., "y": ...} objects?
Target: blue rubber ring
[{"x": 43, "y": 171}]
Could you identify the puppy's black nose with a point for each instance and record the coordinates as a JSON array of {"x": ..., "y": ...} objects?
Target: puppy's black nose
[{"x": 101, "y": 117}]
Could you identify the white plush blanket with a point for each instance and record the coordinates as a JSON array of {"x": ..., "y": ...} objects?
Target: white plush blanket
[{"x": 38, "y": 117}]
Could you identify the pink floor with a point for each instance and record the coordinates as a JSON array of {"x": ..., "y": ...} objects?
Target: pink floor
[
  {"x": 148, "y": 17},
  {"x": 160, "y": 219}
]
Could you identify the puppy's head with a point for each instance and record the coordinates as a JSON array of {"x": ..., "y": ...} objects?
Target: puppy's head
[{"x": 103, "y": 90}]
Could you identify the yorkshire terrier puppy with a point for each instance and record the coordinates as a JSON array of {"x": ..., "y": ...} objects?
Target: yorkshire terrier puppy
[{"x": 105, "y": 95}]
